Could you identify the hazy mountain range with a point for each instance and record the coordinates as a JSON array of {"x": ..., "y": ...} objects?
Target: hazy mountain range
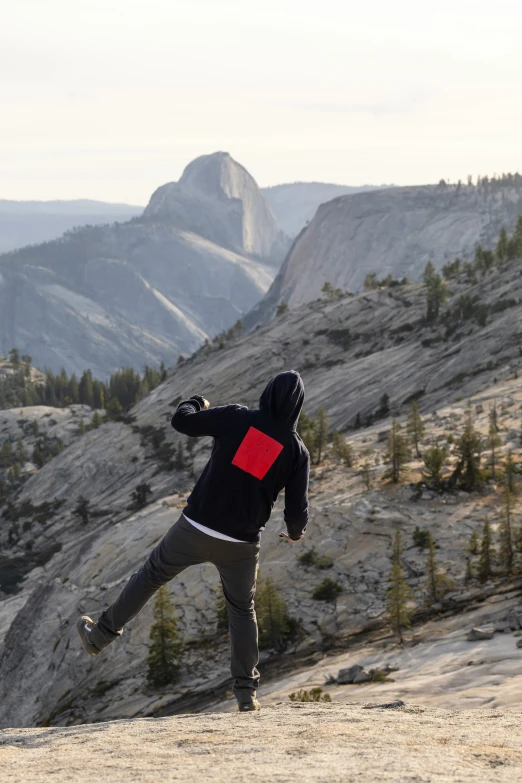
[
  {"x": 29, "y": 222},
  {"x": 203, "y": 253}
]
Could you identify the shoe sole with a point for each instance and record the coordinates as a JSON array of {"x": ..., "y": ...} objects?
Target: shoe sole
[
  {"x": 251, "y": 707},
  {"x": 89, "y": 648}
]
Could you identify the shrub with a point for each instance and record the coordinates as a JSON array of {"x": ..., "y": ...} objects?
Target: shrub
[
  {"x": 314, "y": 694},
  {"x": 421, "y": 538},
  {"x": 327, "y": 590}
]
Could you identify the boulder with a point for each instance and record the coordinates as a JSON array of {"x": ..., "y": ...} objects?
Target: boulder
[
  {"x": 361, "y": 677},
  {"x": 347, "y": 676},
  {"x": 478, "y": 634},
  {"x": 519, "y": 642}
]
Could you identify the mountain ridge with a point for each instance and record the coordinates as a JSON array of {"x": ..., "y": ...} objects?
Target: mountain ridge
[{"x": 392, "y": 231}]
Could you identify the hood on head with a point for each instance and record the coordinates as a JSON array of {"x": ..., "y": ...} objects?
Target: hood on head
[{"x": 283, "y": 397}]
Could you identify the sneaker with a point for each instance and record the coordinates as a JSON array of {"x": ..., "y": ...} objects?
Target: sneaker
[
  {"x": 83, "y": 626},
  {"x": 249, "y": 706}
]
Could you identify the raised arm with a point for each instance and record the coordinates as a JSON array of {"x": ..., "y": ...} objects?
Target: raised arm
[
  {"x": 195, "y": 418},
  {"x": 296, "y": 499}
]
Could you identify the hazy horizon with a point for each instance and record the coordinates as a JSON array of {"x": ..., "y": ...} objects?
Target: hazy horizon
[{"x": 108, "y": 102}]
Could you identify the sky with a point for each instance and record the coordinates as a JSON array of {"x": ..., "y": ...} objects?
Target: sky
[{"x": 108, "y": 99}]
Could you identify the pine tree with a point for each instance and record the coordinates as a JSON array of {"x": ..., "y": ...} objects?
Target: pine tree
[
  {"x": 505, "y": 533},
  {"x": 494, "y": 441},
  {"x": 434, "y": 459},
  {"x": 474, "y": 543},
  {"x": 486, "y": 553},
  {"x": 397, "y": 453},
  {"x": 114, "y": 410},
  {"x": 96, "y": 420},
  {"x": 469, "y": 453},
  {"x": 82, "y": 509},
  {"x": 502, "y": 245},
  {"x": 437, "y": 583},
  {"x": 272, "y": 616},
  {"x": 509, "y": 474},
  {"x": 415, "y": 426},
  {"x": 366, "y": 475},
  {"x": 468, "y": 576},
  {"x": 398, "y": 592},
  {"x": 341, "y": 449},
  {"x": 322, "y": 429},
  {"x": 140, "y": 495},
  {"x": 307, "y": 430},
  {"x": 429, "y": 273},
  {"x": 165, "y": 651}
]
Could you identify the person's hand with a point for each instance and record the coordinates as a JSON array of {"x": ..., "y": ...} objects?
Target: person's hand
[
  {"x": 292, "y": 540},
  {"x": 206, "y": 404}
]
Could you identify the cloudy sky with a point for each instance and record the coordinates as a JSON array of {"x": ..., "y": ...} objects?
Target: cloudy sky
[{"x": 110, "y": 98}]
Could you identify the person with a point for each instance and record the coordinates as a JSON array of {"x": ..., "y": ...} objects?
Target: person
[{"x": 256, "y": 454}]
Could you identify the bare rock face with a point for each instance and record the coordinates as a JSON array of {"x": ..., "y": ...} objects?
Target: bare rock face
[
  {"x": 135, "y": 293},
  {"x": 217, "y": 198},
  {"x": 393, "y": 231},
  {"x": 295, "y": 203}
]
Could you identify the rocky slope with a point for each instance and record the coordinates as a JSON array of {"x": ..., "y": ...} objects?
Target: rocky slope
[
  {"x": 138, "y": 292},
  {"x": 294, "y": 204},
  {"x": 394, "y": 231},
  {"x": 308, "y": 742},
  {"x": 30, "y": 222},
  {"x": 350, "y": 351}
]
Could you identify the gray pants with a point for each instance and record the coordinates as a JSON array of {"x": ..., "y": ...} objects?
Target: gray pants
[{"x": 184, "y": 545}]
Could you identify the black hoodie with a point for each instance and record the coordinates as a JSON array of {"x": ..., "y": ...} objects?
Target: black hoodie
[{"x": 256, "y": 454}]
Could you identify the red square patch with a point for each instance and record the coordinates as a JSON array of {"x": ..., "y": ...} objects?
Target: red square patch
[{"x": 257, "y": 453}]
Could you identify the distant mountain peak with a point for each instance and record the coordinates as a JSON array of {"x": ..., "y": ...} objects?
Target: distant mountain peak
[{"x": 217, "y": 198}]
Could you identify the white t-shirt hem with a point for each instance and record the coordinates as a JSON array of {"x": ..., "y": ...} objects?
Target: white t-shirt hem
[{"x": 214, "y": 533}]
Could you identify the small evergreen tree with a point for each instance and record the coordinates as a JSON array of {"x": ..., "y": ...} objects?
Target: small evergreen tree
[
  {"x": 165, "y": 651},
  {"x": 322, "y": 429},
  {"x": 273, "y": 620},
  {"x": 509, "y": 474},
  {"x": 434, "y": 459},
  {"x": 384, "y": 405},
  {"x": 502, "y": 245},
  {"x": 82, "y": 509},
  {"x": 282, "y": 308},
  {"x": 469, "y": 452},
  {"x": 474, "y": 543},
  {"x": 468, "y": 576},
  {"x": 415, "y": 426},
  {"x": 366, "y": 475},
  {"x": 437, "y": 583},
  {"x": 398, "y": 592},
  {"x": 96, "y": 420},
  {"x": 114, "y": 411},
  {"x": 341, "y": 449},
  {"x": 397, "y": 453},
  {"x": 307, "y": 430},
  {"x": 494, "y": 441},
  {"x": 486, "y": 553},
  {"x": 505, "y": 533},
  {"x": 140, "y": 495}
]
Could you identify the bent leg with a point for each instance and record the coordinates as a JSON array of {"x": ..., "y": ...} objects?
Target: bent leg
[
  {"x": 237, "y": 565},
  {"x": 179, "y": 549}
]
